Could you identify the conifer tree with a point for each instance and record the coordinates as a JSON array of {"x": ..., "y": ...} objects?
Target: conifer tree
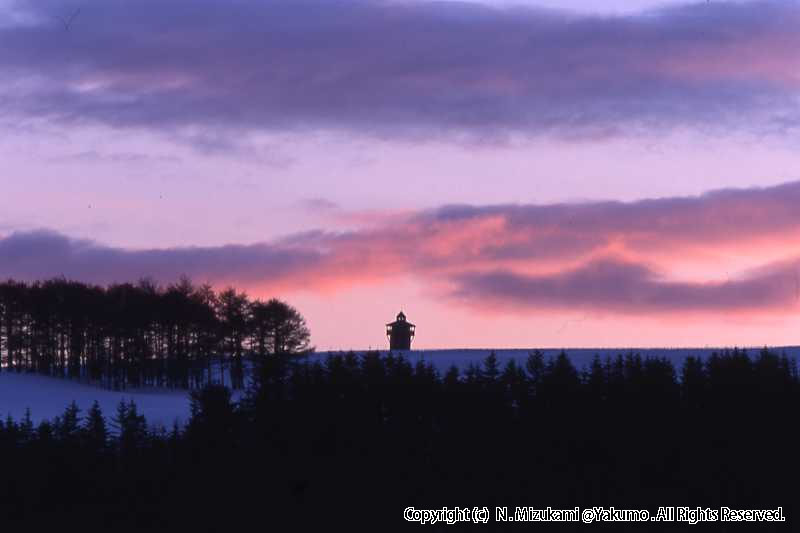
[
  {"x": 26, "y": 427},
  {"x": 45, "y": 432},
  {"x": 534, "y": 366},
  {"x": 69, "y": 423},
  {"x": 95, "y": 433},
  {"x": 491, "y": 368},
  {"x": 131, "y": 428}
]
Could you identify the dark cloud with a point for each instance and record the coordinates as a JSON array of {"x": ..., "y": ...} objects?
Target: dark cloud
[
  {"x": 623, "y": 287},
  {"x": 46, "y": 254},
  {"x": 409, "y": 69}
]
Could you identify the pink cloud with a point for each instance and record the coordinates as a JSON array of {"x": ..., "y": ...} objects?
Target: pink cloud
[{"x": 664, "y": 255}]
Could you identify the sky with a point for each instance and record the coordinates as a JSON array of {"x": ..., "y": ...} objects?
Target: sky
[{"x": 509, "y": 173}]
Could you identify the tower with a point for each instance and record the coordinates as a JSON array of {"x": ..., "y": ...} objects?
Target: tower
[{"x": 400, "y": 333}]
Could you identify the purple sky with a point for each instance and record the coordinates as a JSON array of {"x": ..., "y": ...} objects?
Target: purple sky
[{"x": 511, "y": 173}]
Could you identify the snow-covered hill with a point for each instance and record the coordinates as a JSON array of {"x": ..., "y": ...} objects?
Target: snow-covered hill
[
  {"x": 581, "y": 357},
  {"x": 47, "y": 397}
]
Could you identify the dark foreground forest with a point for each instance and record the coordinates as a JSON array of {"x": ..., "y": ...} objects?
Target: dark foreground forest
[{"x": 353, "y": 441}]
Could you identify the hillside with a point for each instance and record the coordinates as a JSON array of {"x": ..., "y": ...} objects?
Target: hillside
[{"x": 47, "y": 397}]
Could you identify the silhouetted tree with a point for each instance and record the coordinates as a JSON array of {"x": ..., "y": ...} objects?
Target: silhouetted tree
[
  {"x": 277, "y": 328},
  {"x": 131, "y": 428},
  {"x": 625, "y": 431},
  {"x": 213, "y": 416},
  {"x": 68, "y": 426},
  {"x": 232, "y": 311},
  {"x": 95, "y": 432},
  {"x": 134, "y": 335}
]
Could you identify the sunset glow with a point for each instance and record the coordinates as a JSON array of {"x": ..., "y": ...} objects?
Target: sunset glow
[{"x": 507, "y": 174}]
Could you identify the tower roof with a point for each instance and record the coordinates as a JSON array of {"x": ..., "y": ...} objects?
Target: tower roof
[{"x": 401, "y": 319}]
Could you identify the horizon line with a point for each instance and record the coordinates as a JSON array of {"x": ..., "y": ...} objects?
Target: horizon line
[{"x": 625, "y": 348}]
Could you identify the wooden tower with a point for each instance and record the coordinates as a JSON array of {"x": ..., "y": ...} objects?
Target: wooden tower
[{"x": 400, "y": 333}]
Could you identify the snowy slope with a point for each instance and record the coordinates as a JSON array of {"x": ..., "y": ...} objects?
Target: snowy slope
[
  {"x": 47, "y": 397},
  {"x": 581, "y": 357}
]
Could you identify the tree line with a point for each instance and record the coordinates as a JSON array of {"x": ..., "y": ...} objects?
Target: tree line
[
  {"x": 132, "y": 335},
  {"x": 355, "y": 439}
]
